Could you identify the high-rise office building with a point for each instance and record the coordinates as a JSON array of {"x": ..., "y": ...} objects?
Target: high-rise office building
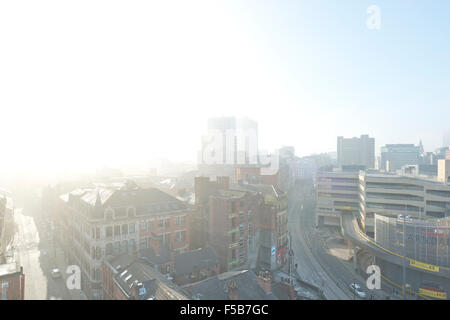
[
  {"x": 394, "y": 156},
  {"x": 356, "y": 151}
]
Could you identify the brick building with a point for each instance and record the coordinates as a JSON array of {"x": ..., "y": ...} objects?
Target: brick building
[
  {"x": 271, "y": 238},
  {"x": 110, "y": 220},
  {"x": 12, "y": 282},
  {"x": 227, "y": 219}
]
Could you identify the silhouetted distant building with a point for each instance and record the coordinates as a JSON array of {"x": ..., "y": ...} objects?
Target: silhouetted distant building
[
  {"x": 356, "y": 151},
  {"x": 394, "y": 156}
]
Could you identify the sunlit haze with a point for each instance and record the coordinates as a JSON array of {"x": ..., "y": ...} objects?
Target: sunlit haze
[{"x": 94, "y": 83}]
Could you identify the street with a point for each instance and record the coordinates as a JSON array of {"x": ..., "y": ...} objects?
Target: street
[
  {"x": 315, "y": 264},
  {"x": 34, "y": 250}
]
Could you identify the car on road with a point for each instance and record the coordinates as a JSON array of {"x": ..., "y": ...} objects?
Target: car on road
[
  {"x": 56, "y": 274},
  {"x": 356, "y": 288}
]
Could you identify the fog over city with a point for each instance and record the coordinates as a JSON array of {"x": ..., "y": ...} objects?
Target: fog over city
[
  {"x": 224, "y": 150},
  {"x": 102, "y": 83}
]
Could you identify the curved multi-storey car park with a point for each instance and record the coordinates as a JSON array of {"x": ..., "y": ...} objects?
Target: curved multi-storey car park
[{"x": 402, "y": 220}]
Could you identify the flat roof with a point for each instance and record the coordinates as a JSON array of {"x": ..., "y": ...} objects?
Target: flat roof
[{"x": 8, "y": 268}]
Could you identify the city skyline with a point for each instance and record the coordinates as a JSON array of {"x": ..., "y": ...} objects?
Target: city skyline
[
  {"x": 224, "y": 150},
  {"x": 315, "y": 72}
]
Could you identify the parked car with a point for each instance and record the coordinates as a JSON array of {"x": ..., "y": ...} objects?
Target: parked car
[
  {"x": 357, "y": 290},
  {"x": 56, "y": 274}
]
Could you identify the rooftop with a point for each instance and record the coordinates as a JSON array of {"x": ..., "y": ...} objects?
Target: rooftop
[
  {"x": 9, "y": 268},
  {"x": 215, "y": 288},
  {"x": 135, "y": 277},
  {"x": 149, "y": 200},
  {"x": 186, "y": 262}
]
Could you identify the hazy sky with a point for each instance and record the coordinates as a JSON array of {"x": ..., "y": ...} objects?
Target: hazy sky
[{"x": 90, "y": 83}]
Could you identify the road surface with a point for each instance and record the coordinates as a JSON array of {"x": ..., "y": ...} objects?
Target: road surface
[
  {"x": 38, "y": 256},
  {"x": 315, "y": 264}
]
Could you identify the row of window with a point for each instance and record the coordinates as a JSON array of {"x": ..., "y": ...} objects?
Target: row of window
[
  {"x": 120, "y": 247},
  {"x": 118, "y": 230}
]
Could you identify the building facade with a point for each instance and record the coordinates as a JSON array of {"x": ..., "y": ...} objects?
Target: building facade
[
  {"x": 394, "y": 156},
  {"x": 367, "y": 194},
  {"x": 231, "y": 221},
  {"x": 12, "y": 282},
  {"x": 97, "y": 222},
  {"x": 356, "y": 151}
]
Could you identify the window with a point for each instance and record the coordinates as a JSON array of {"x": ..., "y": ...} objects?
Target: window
[
  {"x": 143, "y": 226},
  {"x": 97, "y": 233},
  {"x": 124, "y": 247},
  {"x": 109, "y": 249},
  {"x": 131, "y": 228},
  {"x": 180, "y": 221},
  {"x": 5, "y": 286},
  {"x": 131, "y": 245},
  {"x": 124, "y": 229},
  {"x": 143, "y": 243},
  {"x": 166, "y": 239},
  {"x": 180, "y": 236},
  {"x": 116, "y": 249},
  {"x": 164, "y": 223},
  {"x": 96, "y": 253},
  {"x": 109, "y": 231},
  {"x": 116, "y": 231}
]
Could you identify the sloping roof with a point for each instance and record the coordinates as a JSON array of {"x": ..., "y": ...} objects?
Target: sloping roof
[
  {"x": 216, "y": 288},
  {"x": 185, "y": 263},
  {"x": 150, "y": 283},
  {"x": 150, "y": 200},
  {"x": 135, "y": 275}
]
